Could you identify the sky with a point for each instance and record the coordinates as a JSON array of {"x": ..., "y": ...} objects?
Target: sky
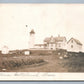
[{"x": 46, "y": 20}]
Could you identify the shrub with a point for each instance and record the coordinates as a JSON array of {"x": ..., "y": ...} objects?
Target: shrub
[{"x": 10, "y": 64}]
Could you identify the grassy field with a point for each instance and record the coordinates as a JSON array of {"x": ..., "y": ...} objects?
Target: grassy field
[
  {"x": 15, "y": 62},
  {"x": 53, "y": 62},
  {"x": 73, "y": 64}
]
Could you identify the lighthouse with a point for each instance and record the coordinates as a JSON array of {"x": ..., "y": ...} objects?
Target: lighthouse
[{"x": 32, "y": 39}]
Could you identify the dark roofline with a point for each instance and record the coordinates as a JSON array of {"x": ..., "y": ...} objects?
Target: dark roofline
[
  {"x": 69, "y": 40},
  {"x": 32, "y": 31},
  {"x": 49, "y": 38},
  {"x": 75, "y": 41}
]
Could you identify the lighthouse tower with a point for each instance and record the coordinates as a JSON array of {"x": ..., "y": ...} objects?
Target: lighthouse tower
[{"x": 32, "y": 39}]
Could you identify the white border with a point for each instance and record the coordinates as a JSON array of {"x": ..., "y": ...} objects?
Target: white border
[{"x": 40, "y": 76}]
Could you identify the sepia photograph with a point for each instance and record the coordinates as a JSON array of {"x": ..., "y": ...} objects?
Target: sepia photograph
[{"x": 41, "y": 38}]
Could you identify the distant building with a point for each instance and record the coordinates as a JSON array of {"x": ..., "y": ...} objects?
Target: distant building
[
  {"x": 39, "y": 46},
  {"x": 74, "y": 45},
  {"x": 55, "y": 42},
  {"x": 5, "y": 50}
]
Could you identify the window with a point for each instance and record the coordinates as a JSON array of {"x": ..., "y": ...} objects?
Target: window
[
  {"x": 71, "y": 46},
  {"x": 72, "y": 41}
]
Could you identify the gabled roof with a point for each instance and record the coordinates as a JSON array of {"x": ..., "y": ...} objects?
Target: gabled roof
[
  {"x": 32, "y": 32},
  {"x": 5, "y": 47},
  {"x": 50, "y": 39},
  {"x": 60, "y": 39},
  {"x": 54, "y": 39},
  {"x": 77, "y": 41}
]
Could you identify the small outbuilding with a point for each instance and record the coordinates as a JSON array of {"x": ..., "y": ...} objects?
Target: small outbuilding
[{"x": 5, "y": 50}]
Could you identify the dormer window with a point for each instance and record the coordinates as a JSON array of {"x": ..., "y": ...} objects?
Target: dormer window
[
  {"x": 72, "y": 41},
  {"x": 71, "y": 46}
]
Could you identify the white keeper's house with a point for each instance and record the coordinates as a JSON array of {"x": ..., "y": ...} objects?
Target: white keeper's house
[
  {"x": 53, "y": 43},
  {"x": 74, "y": 45}
]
